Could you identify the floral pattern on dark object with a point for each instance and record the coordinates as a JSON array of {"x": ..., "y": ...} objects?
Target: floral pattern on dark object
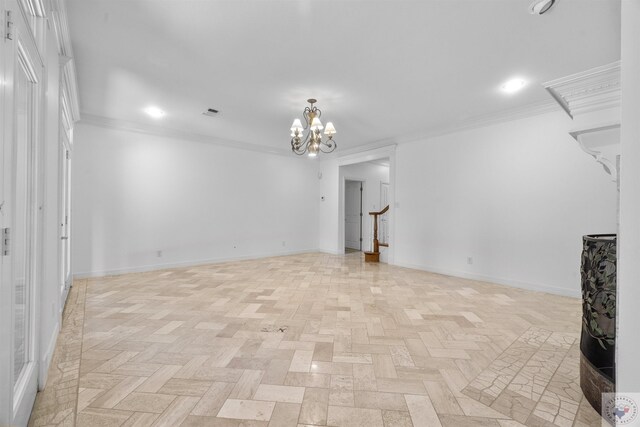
[{"x": 598, "y": 274}]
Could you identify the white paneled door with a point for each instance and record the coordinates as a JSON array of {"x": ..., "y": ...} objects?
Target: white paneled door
[
  {"x": 65, "y": 215},
  {"x": 21, "y": 76},
  {"x": 353, "y": 215}
]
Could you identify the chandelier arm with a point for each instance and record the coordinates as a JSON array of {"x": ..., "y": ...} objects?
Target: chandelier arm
[
  {"x": 298, "y": 149},
  {"x": 331, "y": 146}
]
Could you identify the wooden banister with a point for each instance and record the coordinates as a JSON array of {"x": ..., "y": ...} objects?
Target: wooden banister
[
  {"x": 376, "y": 243},
  {"x": 382, "y": 212}
]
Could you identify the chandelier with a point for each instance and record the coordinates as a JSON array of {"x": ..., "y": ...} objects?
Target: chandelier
[{"x": 308, "y": 139}]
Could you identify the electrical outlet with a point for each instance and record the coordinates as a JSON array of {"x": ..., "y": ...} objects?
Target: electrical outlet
[
  {"x": 469, "y": 260},
  {"x": 284, "y": 243},
  {"x": 159, "y": 254}
]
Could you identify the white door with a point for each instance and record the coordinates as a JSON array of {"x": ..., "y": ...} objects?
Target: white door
[
  {"x": 21, "y": 74},
  {"x": 353, "y": 215},
  {"x": 65, "y": 215},
  {"x": 383, "y": 235}
]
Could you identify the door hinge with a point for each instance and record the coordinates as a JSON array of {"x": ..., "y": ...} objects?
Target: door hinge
[
  {"x": 5, "y": 241},
  {"x": 9, "y": 24},
  {"x": 67, "y": 154},
  {"x": 361, "y": 239}
]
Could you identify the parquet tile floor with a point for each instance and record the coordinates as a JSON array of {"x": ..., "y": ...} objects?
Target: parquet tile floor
[{"x": 313, "y": 339}]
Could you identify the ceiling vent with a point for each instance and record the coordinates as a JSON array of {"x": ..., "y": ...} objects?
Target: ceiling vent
[
  {"x": 538, "y": 7},
  {"x": 211, "y": 112}
]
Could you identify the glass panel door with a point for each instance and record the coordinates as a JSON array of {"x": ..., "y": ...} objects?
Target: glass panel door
[
  {"x": 21, "y": 72},
  {"x": 22, "y": 230}
]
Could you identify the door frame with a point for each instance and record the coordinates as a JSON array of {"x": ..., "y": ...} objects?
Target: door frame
[
  {"x": 363, "y": 184},
  {"x": 366, "y": 156},
  {"x": 16, "y": 401}
]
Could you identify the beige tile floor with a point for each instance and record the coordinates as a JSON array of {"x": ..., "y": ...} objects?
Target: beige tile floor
[{"x": 313, "y": 340}]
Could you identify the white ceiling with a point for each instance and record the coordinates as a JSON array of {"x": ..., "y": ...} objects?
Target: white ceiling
[{"x": 379, "y": 69}]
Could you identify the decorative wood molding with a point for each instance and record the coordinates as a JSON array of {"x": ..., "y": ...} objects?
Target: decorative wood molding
[
  {"x": 590, "y": 90},
  {"x": 602, "y": 142},
  {"x": 58, "y": 17}
]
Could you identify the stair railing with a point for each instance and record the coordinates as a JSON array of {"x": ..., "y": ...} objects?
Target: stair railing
[{"x": 376, "y": 216}]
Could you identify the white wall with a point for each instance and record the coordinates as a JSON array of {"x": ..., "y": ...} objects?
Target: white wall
[
  {"x": 628, "y": 345},
  {"x": 135, "y": 194},
  {"x": 372, "y": 175},
  {"x": 515, "y": 197}
]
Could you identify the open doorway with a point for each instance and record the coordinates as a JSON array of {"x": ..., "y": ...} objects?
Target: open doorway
[
  {"x": 366, "y": 191},
  {"x": 353, "y": 216}
]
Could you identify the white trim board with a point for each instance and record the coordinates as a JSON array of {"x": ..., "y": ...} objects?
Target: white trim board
[
  {"x": 193, "y": 263},
  {"x": 536, "y": 287},
  {"x": 45, "y": 360}
]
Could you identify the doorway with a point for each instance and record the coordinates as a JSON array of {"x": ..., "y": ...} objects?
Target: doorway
[
  {"x": 374, "y": 173},
  {"x": 353, "y": 216}
]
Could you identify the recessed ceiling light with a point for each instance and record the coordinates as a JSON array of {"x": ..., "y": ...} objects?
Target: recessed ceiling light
[
  {"x": 513, "y": 85},
  {"x": 154, "y": 112}
]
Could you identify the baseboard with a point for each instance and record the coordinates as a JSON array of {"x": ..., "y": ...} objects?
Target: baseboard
[
  {"x": 496, "y": 280},
  {"x": 192, "y": 263},
  {"x": 45, "y": 360}
]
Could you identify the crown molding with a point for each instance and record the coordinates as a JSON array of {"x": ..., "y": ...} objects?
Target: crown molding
[
  {"x": 58, "y": 17},
  {"x": 474, "y": 122},
  {"x": 177, "y": 134},
  {"x": 382, "y": 144},
  {"x": 590, "y": 90}
]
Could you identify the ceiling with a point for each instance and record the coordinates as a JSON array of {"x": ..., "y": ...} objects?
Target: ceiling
[{"x": 381, "y": 70}]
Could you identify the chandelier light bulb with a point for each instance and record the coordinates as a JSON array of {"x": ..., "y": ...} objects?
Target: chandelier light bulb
[
  {"x": 297, "y": 125},
  {"x": 329, "y": 129},
  {"x": 316, "y": 124}
]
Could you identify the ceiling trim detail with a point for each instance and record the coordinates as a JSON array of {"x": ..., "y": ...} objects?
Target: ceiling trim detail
[
  {"x": 527, "y": 111},
  {"x": 67, "y": 63},
  {"x": 590, "y": 90},
  {"x": 178, "y": 134},
  {"x": 479, "y": 121}
]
